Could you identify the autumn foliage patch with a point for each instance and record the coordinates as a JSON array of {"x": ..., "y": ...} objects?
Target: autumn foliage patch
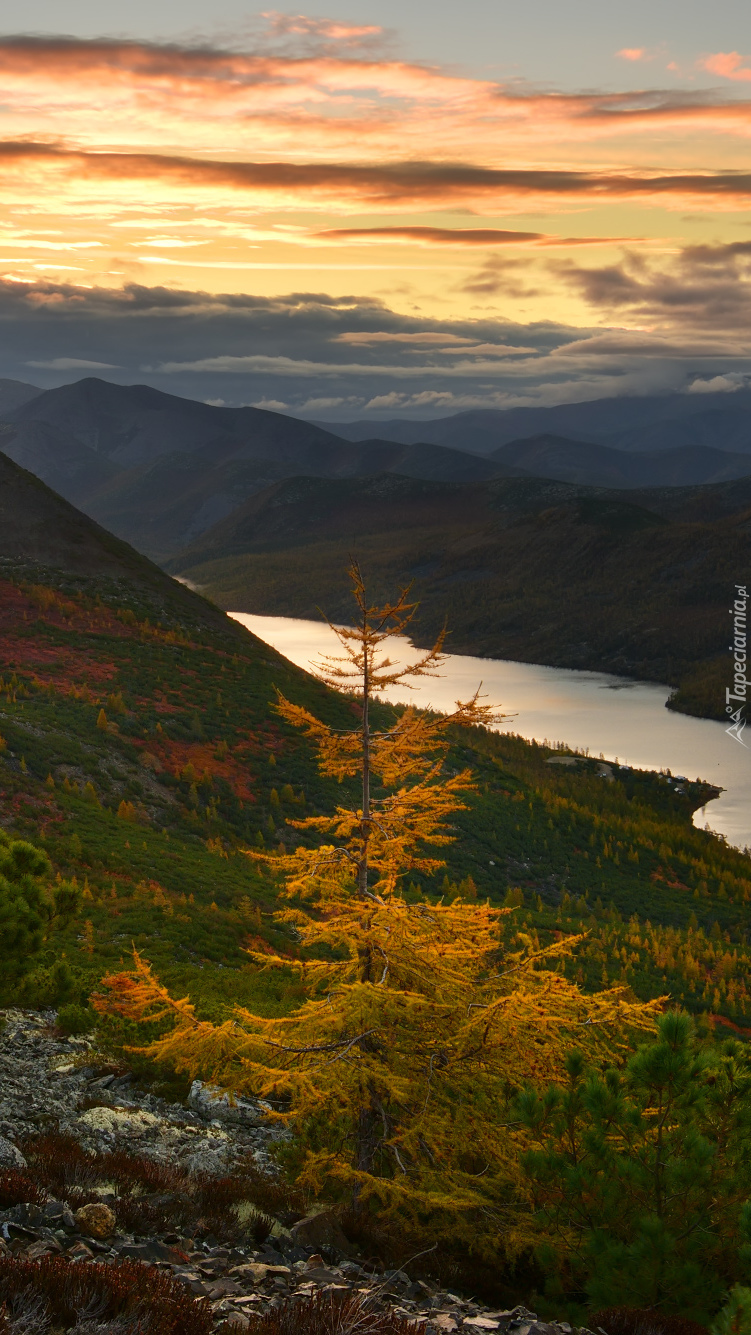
[
  {"x": 152, "y": 1197},
  {"x": 327, "y": 1314},
  {"x": 53, "y": 1294}
]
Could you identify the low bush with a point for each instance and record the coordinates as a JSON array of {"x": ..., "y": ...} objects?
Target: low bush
[
  {"x": 735, "y": 1317},
  {"x": 75, "y": 1019},
  {"x": 327, "y": 1314},
  {"x": 17, "y": 1188},
  {"x": 89, "y": 1299},
  {"x": 154, "y": 1197}
]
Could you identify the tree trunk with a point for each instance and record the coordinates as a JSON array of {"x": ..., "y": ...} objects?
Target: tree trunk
[{"x": 362, "y": 871}]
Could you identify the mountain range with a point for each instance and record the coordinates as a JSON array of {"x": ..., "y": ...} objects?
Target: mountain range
[
  {"x": 650, "y": 422},
  {"x": 160, "y": 470},
  {"x": 546, "y": 548}
]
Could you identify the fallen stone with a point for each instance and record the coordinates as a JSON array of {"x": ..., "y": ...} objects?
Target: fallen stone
[
  {"x": 148, "y": 1251},
  {"x": 80, "y": 1252},
  {"x": 223, "y": 1288},
  {"x": 10, "y": 1155},
  {"x": 213, "y": 1105},
  {"x": 44, "y": 1247},
  {"x": 57, "y": 1213},
  {"x": 96, "y": 1220},
  {"x": 255, "y": 1272},
  {"x": 320, "y": 1275},
  {"x": 25, "y": 1216},
  {"x": 321, "y": 1230},
  {"x": 118, "y": 1121}
]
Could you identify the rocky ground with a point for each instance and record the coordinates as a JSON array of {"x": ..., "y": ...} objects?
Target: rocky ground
[{"x": 48, "y": 1081}]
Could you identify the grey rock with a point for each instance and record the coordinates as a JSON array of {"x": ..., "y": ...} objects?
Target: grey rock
[
  {"x": 210, "y": 1103},
  {"x": 10, "y": 1156},
  {"x": 207, "y": 1162},
  {"x": 147, "y": 1251},
  {"x": 322, "y": 1230}
]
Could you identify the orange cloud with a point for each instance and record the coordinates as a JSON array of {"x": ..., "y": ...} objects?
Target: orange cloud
[
  {"x": 334, "y": 99},
  {"x": 301, "y": 25},
  {"x": 462, "y": 236},
  {"x": 391, "y": 185},
  {"x": 728, "y": 64},
  {"x": 632, "y": 53},
  {"x": 440, "y": 236}
]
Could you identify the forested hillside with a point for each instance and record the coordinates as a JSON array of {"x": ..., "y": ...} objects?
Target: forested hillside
[
  {"x": 142, "y": 753},
  {"x": 526, "y": 569},
  {"x": 154, "y": 798}
]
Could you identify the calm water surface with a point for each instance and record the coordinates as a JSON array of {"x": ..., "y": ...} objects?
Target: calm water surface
[{"x": 610, "y": 716}]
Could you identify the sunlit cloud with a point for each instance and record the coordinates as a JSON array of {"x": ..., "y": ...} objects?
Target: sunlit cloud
[
  {"x": 460, "y": 236},
  {"x": 550, "y": 244},
  {"x": 342, "y": 99},
  {"x": 72, "y": 364},
  {"x": 398, "y": 184},
  {"x": 719, "y": 384},
  {"x": 729, "y": 65}
]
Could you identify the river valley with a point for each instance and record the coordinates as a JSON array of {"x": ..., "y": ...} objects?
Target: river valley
[{"x": 601, "y": 714}]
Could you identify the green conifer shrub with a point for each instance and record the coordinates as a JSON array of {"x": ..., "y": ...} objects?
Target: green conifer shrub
[
  {"x": 29, "y": 905},
  {"x": 638, "y": 1178}
]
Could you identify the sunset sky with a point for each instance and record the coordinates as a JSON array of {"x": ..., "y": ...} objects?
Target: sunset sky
[{"x": 377, "y": 209}]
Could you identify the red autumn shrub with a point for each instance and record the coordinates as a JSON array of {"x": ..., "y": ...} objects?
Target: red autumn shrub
[
  {"x": 328, "y": 1314},
  {"x": 17, "y": 1188},
  {"x": 134, "y": 1297}
]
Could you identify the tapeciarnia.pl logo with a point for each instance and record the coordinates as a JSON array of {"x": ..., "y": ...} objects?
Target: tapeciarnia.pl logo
[{"x": 738, "y": 695}]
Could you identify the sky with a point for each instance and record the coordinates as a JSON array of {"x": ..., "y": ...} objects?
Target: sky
[{"x": 377, "y": 209}]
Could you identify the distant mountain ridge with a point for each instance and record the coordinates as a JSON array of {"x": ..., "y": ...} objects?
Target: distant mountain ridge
[
  {"x": 159, "y": 470},
  {"x": 650, "y": 422},
  {"x": 14, "y": 393}
]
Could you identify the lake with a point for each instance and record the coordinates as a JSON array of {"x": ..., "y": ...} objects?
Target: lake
[{"x": 609, "y": 716}]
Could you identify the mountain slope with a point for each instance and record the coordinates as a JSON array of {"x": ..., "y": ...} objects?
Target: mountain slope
[
  {"x": 600, "y": 466},
  {"x": 133, "y": 424},
  {"x": 41, "y": 531},
  {"x": 167, "y": 505},
  {"x": 14, "y": 393},
  {"x": 525, "y": 569},
  {"x": 160, "y": 470},
  {"x": 151, "y": 807}
]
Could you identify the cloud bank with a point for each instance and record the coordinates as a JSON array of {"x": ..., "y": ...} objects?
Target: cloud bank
[
  {"x": 308, "y": 220},
  {"x": 296, "y": 352}
]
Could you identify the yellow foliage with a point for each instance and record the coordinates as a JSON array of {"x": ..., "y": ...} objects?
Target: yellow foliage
[
  {"x": 420, "y": 1023},
  {"x": 216, "y": 846},
  {"x": 402, "y": 1059},
  {"x": 383, "y": 834}
]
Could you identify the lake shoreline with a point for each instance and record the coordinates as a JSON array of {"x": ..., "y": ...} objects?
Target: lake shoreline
[{"x": 615, "y": 718}]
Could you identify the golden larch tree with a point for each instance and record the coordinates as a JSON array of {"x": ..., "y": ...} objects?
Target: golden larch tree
[{"x": 418, "y": 1024}]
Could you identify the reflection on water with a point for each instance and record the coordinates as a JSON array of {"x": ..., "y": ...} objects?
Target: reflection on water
[{"x": 620, "y": 719}]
